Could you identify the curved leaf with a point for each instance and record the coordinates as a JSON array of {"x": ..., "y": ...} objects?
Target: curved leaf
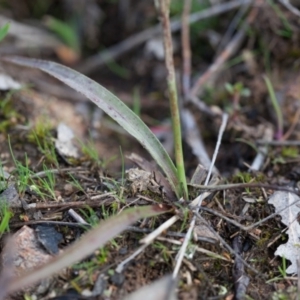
[
  {"x": 113, "y": 106},
  {"x": 90, "y": 242}
]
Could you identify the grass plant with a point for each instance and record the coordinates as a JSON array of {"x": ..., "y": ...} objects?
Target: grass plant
[
  {"x": 90, "y": 216},
  {"x": 22, "y": 170},
  {"x": 41, "y": 135},
  {"x": 88, "y": 148},
  {"x": 5, "y": 215},
  {"x": 47, "y": 184},
  {"x": 75, "y": 183}
]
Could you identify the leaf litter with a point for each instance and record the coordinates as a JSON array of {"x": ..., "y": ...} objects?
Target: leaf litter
[{"x": 96, "y": 186}]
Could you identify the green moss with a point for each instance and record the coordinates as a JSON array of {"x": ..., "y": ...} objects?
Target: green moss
[
  {"x": 42, "y": 136},
  {"x": 290, "y": 152},
  {"x": 262, "y": 242}
]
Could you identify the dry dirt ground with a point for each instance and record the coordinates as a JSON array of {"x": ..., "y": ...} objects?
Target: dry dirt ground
[{"x": 95, "y": 184}]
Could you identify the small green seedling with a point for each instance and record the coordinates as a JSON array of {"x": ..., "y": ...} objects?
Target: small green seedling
[
  {"x": 237, "y": 88},
  {"x": 282, "y": 271},
  {"x": 237, "y": 91}
]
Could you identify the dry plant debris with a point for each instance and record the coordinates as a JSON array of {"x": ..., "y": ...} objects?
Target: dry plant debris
[{"x": 67, "y": 167}]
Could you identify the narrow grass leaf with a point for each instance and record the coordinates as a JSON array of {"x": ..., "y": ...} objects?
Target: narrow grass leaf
[
  {"x": 90, "y": 242},
  {"x": 3, "y": 31},
  {"x": 113, "y": 106}
]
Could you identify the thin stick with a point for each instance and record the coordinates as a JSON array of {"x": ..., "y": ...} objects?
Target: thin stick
[
  {"x": 173, "y": 98},
  {"x": 279, "y": 143},
  {"x": 246, "y": 228},
  {"x": 227, "y": 246},
  {"x": 77, "y": 217},
  {"x": 182, "y": 250},
  {"x": 244, "y": 185},
  {"x": 147, "y": 240},
  {"x": 150, "y": 237}
]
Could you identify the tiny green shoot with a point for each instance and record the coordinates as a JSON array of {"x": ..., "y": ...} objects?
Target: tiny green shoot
[
  {"x": 165, "y": 251},
  {"x": 75, "y": 183}
]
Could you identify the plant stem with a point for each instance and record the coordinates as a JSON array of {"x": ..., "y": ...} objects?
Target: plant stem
[{"x": 173, "y": 98}]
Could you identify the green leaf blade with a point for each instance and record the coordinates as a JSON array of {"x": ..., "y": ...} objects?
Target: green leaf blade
[{"x": 113, "y": 106}]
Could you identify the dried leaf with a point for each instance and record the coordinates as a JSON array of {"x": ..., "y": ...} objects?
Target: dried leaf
[{"x": 288, "y": 207}]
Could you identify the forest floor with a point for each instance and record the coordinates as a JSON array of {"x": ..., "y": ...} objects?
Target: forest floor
[{"x": 47, "y": 187}]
